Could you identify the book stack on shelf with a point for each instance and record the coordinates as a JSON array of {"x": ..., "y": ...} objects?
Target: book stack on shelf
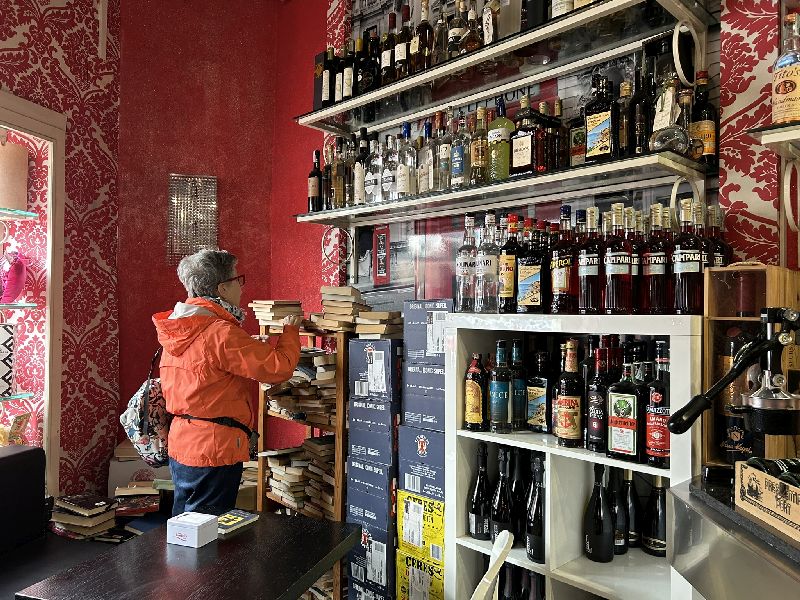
[
  {"x": 340, "y": 305},
  {"x": 321, "y": 590},
  {"x": 288, "y": 477},
  {"x": 125, "y": 451},
  {"x": 319, "y": 488},
  {"x": 270, "y": 313},
  {"x": 83, "y": 516},
  {"x": 379, "y": 325}
]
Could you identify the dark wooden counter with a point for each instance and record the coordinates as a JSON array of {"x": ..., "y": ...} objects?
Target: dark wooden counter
[{"x": 277, "y": 558}]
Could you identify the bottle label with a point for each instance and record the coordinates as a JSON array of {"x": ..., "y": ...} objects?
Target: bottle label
[
  {"x": 478, "y": 525},
  {"x": 619, "y": 538},
  {"x": 414, "y": 48},
  {"x": 501, "y": 134},
  {"x": 386, "y": 59},
  {"x": 568, "y": 417},
  {"x": 400, "y": 52},
  {"x": 706, "y": 131},
  {"x": 478, "y": 153},
  {"x": 359, "y": 191},
  {"x": 529, "y": 285},
  {"x": 388, "y": 180},
  {"x": 486, "y": 265},
  {"x": 533, "y": 546},
  {"x": 598, "y": 134},
  {"x": 337, "y": 95},
  {"x": 686, "y": 261},
  {"x": 519, "y": 400},
  {"x": 347, "y": 83},
  {"x": 667, "y": 110},
  {"x": 370, "y": 183},
  {"x": 506, "y": 273},
  {"x": 404, "y": 179},
  {"x": 326, "y": 85},
  {"x": 654, "y": 544},
  {"x": 656, "y": 432},
  {"x": 786, "y": 94},
  {"x": 560, "y": 272},
  {"x": 588, "y": 264},
  {"x": 499, "y": 401},
  {"x": 622, "y": 423},
  {"x": 498, "y": 527},
  {"x": 488, "y": 29},
  {"x": 454, "y": 35},
  {"x": 465, "y": 266},
  {"x": 562, "y": 7},
  {"x": 457, "y": 165},
  {"x": 655, "y": 263},
  {"x": 422, "y": 178},
  {"x": 596, "y": 416},
  {"x": 473, "y": 402},
  {"x": 444, "y": 156},
  {"x": 537, "y": 407},
  {"x": 577, "y": 146},
  {"x": 313, "y": 187},
  {"x": 617, "y": 263},
  {"x": 636, "y": 261},
  {"x": 521, "y": 154}
]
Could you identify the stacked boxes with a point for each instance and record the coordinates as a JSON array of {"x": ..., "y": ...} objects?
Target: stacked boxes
[
  {"x": 374, "y": 415},
  {"x": 420, "y": 504}
]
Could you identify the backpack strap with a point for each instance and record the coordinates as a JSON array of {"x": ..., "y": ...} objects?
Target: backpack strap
[
  {"x": 226, "y": 421},
  {"x": 144, "y": 415}
]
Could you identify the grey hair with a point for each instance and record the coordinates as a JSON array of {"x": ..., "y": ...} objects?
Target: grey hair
[{"x": 201, "y": 272}]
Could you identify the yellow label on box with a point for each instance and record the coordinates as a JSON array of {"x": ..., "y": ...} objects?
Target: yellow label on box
[
  {"x": 418, "y": 578},
  {"x": 420, "y": 526}
]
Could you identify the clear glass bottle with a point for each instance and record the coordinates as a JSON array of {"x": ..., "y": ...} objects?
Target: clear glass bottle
[
  {"x": 407, "y": 165},
  {"x": 456, "y": 30},
  {"x": 459, "y": 156},
  {"x": 487, "y": 269},
  {"x": 675, "y": 137},
  {"x": 444, "y": 145},
  {"x": 491, "y": 14},
  {"x": 439, "y": 50},
  {"x": 465, "y": 269},
  {"x": 425, "y": 160},
  {"x": 561, "y": 7},
  {"x": 479, "y": 151},
  {"x": 499, "y": 140},
  {"x": 359, "y": 168},
  {"x": 422, "y": 44},
  {"x": 389, "y": 177},
  {"x": 786, "y": 75},
  {"x": 374, "y": 174},
  {"x": 338, "y": 175}
]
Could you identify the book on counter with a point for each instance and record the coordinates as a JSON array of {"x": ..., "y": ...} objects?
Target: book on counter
[
  {"x": 84, "y": 532},
  {"x": 137, "y": 488},
  {"x": 234, "y": 520},
  {"x": 130, "y": 506},
  {"x": 61, "y": 515},
  {"x": 115, "y": 535},
  {"x": 146, "y": 523},
  {"x": 86, "y": 504}
]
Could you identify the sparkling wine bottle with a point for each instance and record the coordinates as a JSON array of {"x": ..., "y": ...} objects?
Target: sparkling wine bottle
[
  {"x": 534, "y": 523},
  {"x": 619, "y": 510},
  {"x": 654, "y": 524},
  {"x": 598, "y": 526},
  {"x": 502, "y": 509},
  {"x": 634, "y": 509},
  {"x": 478, "y": 507}
]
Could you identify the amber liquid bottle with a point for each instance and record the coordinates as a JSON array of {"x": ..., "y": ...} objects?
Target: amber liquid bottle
[
  {"x": 590, "y": 269},
  {"x": 656, "y": 266},
  {"x": 563, "y": 274},
  {"x": 687, "y": 266},
  {"x": 509, "y": 254},
  {"x": 569, "y": 399},
  {"x": 475, "y": 396},
  {"x": 617, "y": 262}
]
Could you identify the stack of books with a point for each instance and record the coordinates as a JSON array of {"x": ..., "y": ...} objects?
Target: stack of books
[
  {"x": 288, "y": 477},
  {"x": 137, "y": 499},
  {"x": 341, "y": 306},
  {"x": 379, "y": 325},
  {"x": 270, "y": 313},
  {"x": 125, "y": 451},
  {"x": 321, "y": 590},
  {"x": 320, "y": 477},
  {"x": 310, "y": 394},
  {"x": 83, "y": 516},
  {"x": 250, "y": 473}
]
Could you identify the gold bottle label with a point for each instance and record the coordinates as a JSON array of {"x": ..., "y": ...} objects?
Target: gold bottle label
[
  {"x": 786, "y": 94},
  {"x": 598, "y": 134},
  {"x": 473, "y": 402},
  {"x": 707, "y": 132},
  {"x": 568, "y": 419},
  {"x": 507, "y": 264}
]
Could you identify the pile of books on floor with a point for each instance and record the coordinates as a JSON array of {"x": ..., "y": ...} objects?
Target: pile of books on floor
[
  {"x": 310, "y": 394},
  {"x": 321, "y": 590},
  {"x": 270, "y": 313},
  {"x": 340, "y": 306},
  {"x": 379, "y": 325},
  {"x": 83, "y": 516}
]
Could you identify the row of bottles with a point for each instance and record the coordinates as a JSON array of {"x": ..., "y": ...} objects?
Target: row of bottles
[
  {"x": 615, "y": 401},
  {"x": 553, "y": 268},
  {"x": 516, "y": 583}
]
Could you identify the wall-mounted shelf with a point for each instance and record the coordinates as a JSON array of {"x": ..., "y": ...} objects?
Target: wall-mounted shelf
[
  {"x": 16, "y": 396},
  {"x": 632, "y": 575},
  {"x": 18, "y": 306},
  {"x": 9, "y": 214},
  {"x": 782, "y": 139}
]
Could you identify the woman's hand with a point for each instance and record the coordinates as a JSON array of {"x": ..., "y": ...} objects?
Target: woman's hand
[{"x": 294, "y": 320}]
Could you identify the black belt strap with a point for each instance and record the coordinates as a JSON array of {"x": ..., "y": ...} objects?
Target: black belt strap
[{"x": 226, "y": 421}]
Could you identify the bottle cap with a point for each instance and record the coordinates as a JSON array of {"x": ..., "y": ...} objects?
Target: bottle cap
[
  {"x": 392, "y": 20},
  {"x": 544, "y": 108},
  {"x": 557, "y": 107},
  {"x": 363, "y": 132},
  {"x": 512, "y": 218},
  {"x": 528, "y": 223},
  {"x": 359, "y": 44},
  {"x": 554, "y": 227},
  {"x": 541, "y": 225},
  {"x": 591, "y": 217},
  {"x": 406, "y": 12},
  {"x": 625, "y": 88},
  {"x": 471, "y": 15},
  {"x": 488, "y": 219},
  {"x": 427, "y": 129},
  {"x": 469, "y": 221}
]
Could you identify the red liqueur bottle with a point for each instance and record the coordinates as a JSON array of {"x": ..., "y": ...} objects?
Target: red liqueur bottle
[
  {"x": 687, "y": 266},
  {"x": 617, "y": 263}
]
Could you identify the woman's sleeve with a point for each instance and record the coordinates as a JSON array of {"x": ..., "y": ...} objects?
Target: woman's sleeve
[{"x": 236, "y": 352}]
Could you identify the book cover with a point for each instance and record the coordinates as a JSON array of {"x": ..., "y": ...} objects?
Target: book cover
[
  {"x": 144, "y": 524},
  {"x": 233, "y": 520},
  {"x": 61, "y": 515},
  {"x": 86, "y": 504},
  {"x": 134, "y": 505}
]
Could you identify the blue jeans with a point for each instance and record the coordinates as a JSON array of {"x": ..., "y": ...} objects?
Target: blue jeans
[{"x": 209, "y": 490}]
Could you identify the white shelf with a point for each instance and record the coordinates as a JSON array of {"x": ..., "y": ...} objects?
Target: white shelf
[
  {"x": 10, "y": 214},
  {"x": 517, "y": 556},
  {"x": 542, "y": 442},
  {"x": 663, "y": 325},
  {"x": 781, "y": 139},
  {"x": 632, "y": 576}
]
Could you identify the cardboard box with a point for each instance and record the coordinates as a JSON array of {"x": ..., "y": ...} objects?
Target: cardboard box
[
  {"x": 764, "y": 497},
  {"x": 192, "y": 529},
  {"x": 420, "y": 445},
  {"x": 420, "y": 527},
  {"x": 424, "y": 380},
  {"x": 413, "y": 571},
  {"x": 122, "y": 472},
  {"x": 371, "y": 478},
  {"x": 375, "y": 415},
  {"x": 422, "y": 479},
  {"x": 370, "y": 563},
  {"x": 369, "y": 510},
  {"x": 423, "y": 330},
  {"x": 376, "y": 369},
  {"x": 358, "y": 591},
  {"x": 373, "y": 446},
  {"x": 423, "y": 412}
]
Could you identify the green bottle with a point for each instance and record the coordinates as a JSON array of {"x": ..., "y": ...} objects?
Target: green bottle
[{"x": 499, "y": 136}]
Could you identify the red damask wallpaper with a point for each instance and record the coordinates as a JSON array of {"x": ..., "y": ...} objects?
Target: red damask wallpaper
[{"x": 49, "y": 55}]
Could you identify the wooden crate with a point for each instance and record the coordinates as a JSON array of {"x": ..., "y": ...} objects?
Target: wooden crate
[{"x": 772, "y": 286}]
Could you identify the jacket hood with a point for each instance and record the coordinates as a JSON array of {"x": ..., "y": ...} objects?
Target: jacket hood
[{"x": 178, "y": 328}]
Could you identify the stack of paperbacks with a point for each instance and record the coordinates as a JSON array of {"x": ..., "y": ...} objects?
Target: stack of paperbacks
[
  {"x": 321, "y": 590},
  {"x": 310, "y": 394},
  {"x": 270, "y": 313},
  {"x": 341, "y": 306},
  {"x": 321, "y": 481},
  {"x": 287, "y": 476},
  {"x": 250, "y": 473},
  {"x": 137, "y": 499},
  {"x": 83, "y": 516},
  {"x": 379, "y": 325}
]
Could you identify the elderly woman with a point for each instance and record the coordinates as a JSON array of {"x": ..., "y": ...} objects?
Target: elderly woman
[{"x": 206, "y": 368}]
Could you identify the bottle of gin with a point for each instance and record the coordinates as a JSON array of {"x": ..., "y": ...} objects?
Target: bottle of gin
[
  {"x": 465, "y": 269},
  {"x": 459, "y": 156}
]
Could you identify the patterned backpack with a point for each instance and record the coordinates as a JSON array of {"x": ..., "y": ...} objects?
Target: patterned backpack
[{"x": 146, "y": 420}]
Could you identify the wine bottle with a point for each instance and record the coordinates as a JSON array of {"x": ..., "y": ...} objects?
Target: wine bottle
[
  {"x": 478, "y": 509},
  {"x": 475, "y": 399},
  {"x": 654, "y": 524},
  {"x": 569, "y": 400},
  {"x": 634, "y": 509},
  {"x": 536, "y": 586},
  {"x": 501, "y": 510},
  {"x": 519, "y": 375},
  {"x": 508, "y": 583},
  {"x": 315, "y": 185},
  {"x": 518, "y": 489},
  {"x": 656, "y": 432},
  {"x": 598, "y": 527},
  {"x": 775, "y": 467},
  {"x": 586, "y": 368},
  {"x": 534, "y": 526},
  {"x": 538, "y": 395},
  {"x": 619, "y": 511}
]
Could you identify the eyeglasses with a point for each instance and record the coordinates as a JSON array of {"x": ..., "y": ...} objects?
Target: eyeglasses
[{"x": 239, "y": 278}]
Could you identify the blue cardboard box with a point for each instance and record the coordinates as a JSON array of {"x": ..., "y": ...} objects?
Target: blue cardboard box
[
  {"x": 373, "y": 446},
  {"x": 375, "y": 415},
  {"x": 358, "y": 590},
  {"x": 371, "y": 563},
  {"x": 424, "y": 380},
  {"x": 423, "y": 330},
  {"x": 369, "y": 510},
  {"x": 371, "y": 478},
  {"x": 376, "y": 369},
  {"x": 423, "y": 412},
  {"x": 422, "y": 479},
  {"x": 420, "y": 445}
]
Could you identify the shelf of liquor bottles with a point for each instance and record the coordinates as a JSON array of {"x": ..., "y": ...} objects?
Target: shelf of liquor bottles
[
  {"x": 596, "y": 33},
  {"x": 652, "y": 170}
]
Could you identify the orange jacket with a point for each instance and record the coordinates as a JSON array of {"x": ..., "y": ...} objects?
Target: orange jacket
[{"x": 207, "y": 362}]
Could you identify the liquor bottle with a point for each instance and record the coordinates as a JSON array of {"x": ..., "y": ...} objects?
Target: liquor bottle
[
  {"x": 327, "y": 191},
  {"x": 586, "y": 367},
  {"x": 617, "y": 266},
  {"x": 523, "y": 142},
  {"x": 626, "y": 418},
  {"x": 444, "y": 145},
  {"x": 534, "y": 522},
  {"x": 552, "y": 134},
  {"x": 465, "y": 269},
  {"x": 440, "y": 34},
  {"x": 598, "y": 526},
  {"x": 508, "y": 591},
  {"x": 539, "y": 399},
  {"x": 640, "y": 109},
  {"x": 360, "y": 168},
  {"x": 329, "y": 69},
  {"x": 479, "y": 503},
  {"x": 368, "y": 78},
  {"x": 402, "y": 54},
  {"x": 490, "y": 18},
  {"x": 499, "y": 137},
  {"x": 786, "y": 75},
  {"x": 486, "y": 269},
  {"x": 456, "y": 30},
  {"x": 530, "y": 271},
  {"x": 654, "y": 523},
  {"x": 776, "y": 468},
  {"x": 597, "y": 402},
  {"x": 348, "y": 71},
  {"x": 687, "y": 267},
  {"x": 472, "y": 39},
  {"x": 619, "y": 511},
  {"x": 563, "y": 275},
  {"x": 731, "y": 433},
  {"x": 656, "y": 266},
  {"x": 519, "y": 391},
  {"x": 459, "y": 156},
  {"x": 501, "y": 509},
  {"x": 590, "y": 271},
  {"x": 388, "y": 42},
  {"x": 509, "y": 253},
  {"x": 533, "y": 14},
  {"x": 568, "y": 400},
  {"x": 624, "y": 102},
  {"x": 391, "y": 159},
  {"x": 479, "y": 151},
  {"x": 698, "y": 220},
  {"x": 634, "y": 509},
  {"x": 315, "y": 185},
  {"x": 500, "y": 392},
  {"x": 676, "y": 136},
  {"x": 601, "y": 119},
  {"x": 421, "y": 48},
  {"x": 637, "y": 250},
  {"x": 407, "y": 165},
  {"x": 338, "y": 176},
  {"x": 561, "y": 7},
  {"x": 475, "y": 398},
  {"x": 339, "y": 81},
  {"x": 656, "y": 432},
  {"x": 517, "y": 489},
  {"x": 705, "y": 121},
  {"x": 722, "y": 252},
  {"x": 426, "y": 160}
]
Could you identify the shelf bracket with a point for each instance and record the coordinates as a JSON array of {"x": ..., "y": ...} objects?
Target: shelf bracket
[{"x": 789, "y": 166}]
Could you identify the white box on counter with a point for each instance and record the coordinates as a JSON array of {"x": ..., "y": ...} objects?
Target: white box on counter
[{"x": 192, "y": 529}]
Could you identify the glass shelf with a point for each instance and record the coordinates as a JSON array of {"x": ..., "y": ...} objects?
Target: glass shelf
[
  {"x": 783, "y": 139},
  {"x": 9, "y": 214},
  {"x": 588, "y": 36},
  {"x": 16, "y": 396},
  {"x": 641, "y": 172},
  {"x": 18, "y": 306}
]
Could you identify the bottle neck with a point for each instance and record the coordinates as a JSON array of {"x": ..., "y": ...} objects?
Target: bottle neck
[
  {"x": 627, "y": 372},
  {"x": 502, "y": 360},
  {"x": 516, "y": 354},
  {"x": 482, "y": 462},
  {"x": 662, "y": 366},
  {"x": 571, "y": 361}
]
